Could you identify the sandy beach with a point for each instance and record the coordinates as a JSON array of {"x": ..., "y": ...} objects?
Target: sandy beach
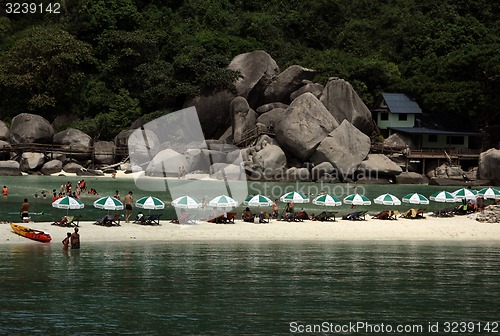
[{"x": 428, "y": 229}]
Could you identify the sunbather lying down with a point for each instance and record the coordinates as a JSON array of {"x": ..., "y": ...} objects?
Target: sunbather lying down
[{"x": 413, "y": 213}]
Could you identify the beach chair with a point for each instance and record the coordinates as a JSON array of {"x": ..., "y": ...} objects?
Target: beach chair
[
  {"x": 394, "y": 215},
  {"x": 108, "y": 220},
  {"x": 357, "y": 215},
  {"x": 114, "y": 220},
  {"x": 184, "y": 218},
  {"x": 64, "y": 222},
  {"x": 382, "y": 215},
  {"x": 153, "y": 220},
  {"x": 301, "y": 216},
  {"x": 230, "y": 217}
]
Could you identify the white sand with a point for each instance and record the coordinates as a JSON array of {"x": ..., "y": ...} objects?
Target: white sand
[{"x": 428, "y": 229}]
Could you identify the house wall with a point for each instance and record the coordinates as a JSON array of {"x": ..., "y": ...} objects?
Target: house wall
[
  {"x": 443, "y": 142},
  {"x": 393, "y": 121}
]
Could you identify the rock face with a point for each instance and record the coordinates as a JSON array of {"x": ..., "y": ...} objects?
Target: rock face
[
  {"x": 345, "y": 148},
  {"x": 272, "y": 117},
  {"x": 491, "y": 214},
  {"x": 73, "y": 139},
  {"x": 344, "y": 103},
  {"x": 51, "y": 167},
  {"x": 243, "y": 118},
  {"x": 254, "y": 66},
  {"x": 4, "y": 131},
  {"x": 298, "y": 174},
  {"x": 322, "y": 171},
  {"x": 411, "y": 178},
  {"x": 314, "y": 88},
  {"x": 398, "y": 141},
  {"x": 223, "y": 171},
  {"x": 271, "y": 106},
  {"x": 379, "y": 165},
  {"x": 30, "y": 128},
  {"x": 9, "y": 168},
  {"x": 269, "y": 162},
  {"x": 31, "y": 161},
  {"x": 4, "y": 150},
  {"x": 72, "y": 167},
  {"x": 287, "y": 82},
  {"x": 306, "y": 124},
  {"x": 489, "y": 165},
  {"x": 213, "y": 113},
  {"x": 105, "y": 152},
  {"x": 166, "y": 163}
]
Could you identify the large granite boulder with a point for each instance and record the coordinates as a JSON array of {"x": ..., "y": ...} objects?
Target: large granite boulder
[
  {"x": 314, "y": 88},
  {"x": 345, "y": 148},
  {"x": 4, "y": 150},
  {"x": 222, "y": 171},
  {"x": 398, "y": 141},
  {"x": 76, "y": 142},
  {"x": 272, "y": 117},
  {"x": 489, "y": 165},
  {"x": 411, "y": 178},
  {"x": 201, "y": 159},
  {"x": 4, "y": 131},
  {"x": 306, "y": 124},
  {"x": 213, "y": 112},
  {"x": 9, "y": 168},
  {"x": 322, "y": 170},
  {"x": 51, "y": 167},
  {"x": 166, "y": 164},
  {"x": 254, "y": 66},
  {"x": 121, "y": 140},
  {"x": 344, "y": 103},
  {"x": 269, "y": 162},
  {"x": 143, "y": 144},
  {"x": 30, "y": 128},
  {"x": 72, "y": 167},
  {"x": 287, "y": 82},
  {"x": 298, "y": 174},
  {"x": 379, "y": 165},
  {"x": 243, "y": 118},
  {"x": 271, "y": 106},
  {"x": 31, "y": 161},
  {"x": 105, "y": 152}
]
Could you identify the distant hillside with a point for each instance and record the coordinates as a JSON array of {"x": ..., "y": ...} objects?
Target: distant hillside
[{"x": 107, "y": 62}]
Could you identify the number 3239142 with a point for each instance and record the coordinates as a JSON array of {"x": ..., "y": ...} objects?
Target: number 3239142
[{"x": 32, "y": 8}]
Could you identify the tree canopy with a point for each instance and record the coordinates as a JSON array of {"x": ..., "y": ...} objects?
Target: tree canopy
[{"x": 115, "y": 60}]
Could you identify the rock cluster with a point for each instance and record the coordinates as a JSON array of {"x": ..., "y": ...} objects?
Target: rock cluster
[{"x": 491, "y": 214}]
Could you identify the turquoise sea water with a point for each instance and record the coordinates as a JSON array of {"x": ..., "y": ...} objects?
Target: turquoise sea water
[
  {"x": 26, "y": 186},
  {"x": 245, "y": 288}
]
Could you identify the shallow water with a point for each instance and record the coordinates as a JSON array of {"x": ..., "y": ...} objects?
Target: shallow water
[{"x": 243, "y": 288}]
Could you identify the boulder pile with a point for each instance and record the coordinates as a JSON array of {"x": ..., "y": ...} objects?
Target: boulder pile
[{"x": 491, "y": 214}]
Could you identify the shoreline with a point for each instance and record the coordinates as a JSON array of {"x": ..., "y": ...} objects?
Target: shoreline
[{"x": 454, "y": 229}]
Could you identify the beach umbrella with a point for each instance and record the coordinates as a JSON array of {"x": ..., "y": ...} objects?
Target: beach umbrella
[
  {"x": 357, "y": 199},
  {"x": 415, "y": 199},
  {"x": 258, "y": 200},
  {"x": 68, "y": 203},
  {"x": 387, "y": 199},
  {"x": 443, "y": 196},
  {"x": 222, "y": 201},
  {"x": 490, "y": 193},
  {"x": 186, "y": 202},
  {"x": 295, "y": 197},
  {"x": 464, "y": 193},
  {"x": 327, "y": 200},
  {"x": 150, "y": 203},
  {"x": 108, "y": 203}
]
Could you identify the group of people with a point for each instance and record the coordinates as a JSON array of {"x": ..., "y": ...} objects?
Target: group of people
[{"x": 72, "y": 239}]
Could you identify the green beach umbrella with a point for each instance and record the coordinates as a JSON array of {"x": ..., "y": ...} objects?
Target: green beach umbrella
[
  {"x": 357, "y": 199},
  {"x": 443, "y": 196},
  {"x": 150, "y": 203},
  {"x": 464, "y": 193},
  {"x": 387, "y": 199},
  {"x": 295, "y": 197},
  {"x": 490, "y": 193},
  {"x": 415, "y": 199},
  {"x": 68, "y": 203},
  {"x": 222, "y": 201},
  {"x": 327, "y": 200},
  {"x": 258, "y": 200},
  {"x": 108, "y": 203},
  {"x": 186, "y": 202}
]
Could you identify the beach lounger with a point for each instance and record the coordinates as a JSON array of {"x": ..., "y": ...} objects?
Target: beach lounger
[
  {"x": 152, "y": 219},
  {"x": 108, "y": 220},
  {"x": 357, "y": 215},
  {"x": 326, "y": 216},
  {"x": 413, "y": 214},
  {"x": 301, "y": 216},
  {"x": 446, "y": 212},
  {"x": 394, "y": 215},
  {"x": 382, "y": 215},
  {"x": 184, "y": 218},
  {"x": 66, "y": 221}
]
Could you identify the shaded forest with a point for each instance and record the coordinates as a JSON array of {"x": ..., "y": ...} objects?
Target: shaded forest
[{"x": 108, "y": 62}]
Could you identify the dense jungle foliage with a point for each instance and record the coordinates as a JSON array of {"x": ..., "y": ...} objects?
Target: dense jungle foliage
[{"x": 110, "y": 61}]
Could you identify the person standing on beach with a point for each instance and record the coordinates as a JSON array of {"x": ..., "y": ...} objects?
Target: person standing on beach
[
  {"x": 129, "y": 200},
  {"x": 75, "y": 239},
  {"x": 25, "y": 211}
]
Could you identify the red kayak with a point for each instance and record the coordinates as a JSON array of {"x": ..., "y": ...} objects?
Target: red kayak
[{"x": 37, "y": 235}]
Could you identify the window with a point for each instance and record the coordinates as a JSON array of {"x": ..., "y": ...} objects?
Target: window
[
  {"x": 384, "y": 116},
  {"x": 456, "y": 140},
  {"x": 402, "y": 117},
  {"x": 433, "y": 138}
]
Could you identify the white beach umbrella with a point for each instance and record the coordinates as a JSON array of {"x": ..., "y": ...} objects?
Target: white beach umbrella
[
  {"x": 443, "y": 196},
  {"x": 258, "y": 200},
  {"x": 387, "y": 199},
  {"x": 295, "y": 197},
  {"x": 357, "y": 199},
  {"x": 186, "y": 202},
  {"x": 465, "y": 193},
  {"x": 68, "y": 203},
  {"x": 150, "y": 203},
  {"x": 108, "y": 203},
  {"x": 490, "y": 193},
  {"x": 222, "y": 201},
  {"x": 327, "y": 200},
  {"x": 415, "y": 198}
]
